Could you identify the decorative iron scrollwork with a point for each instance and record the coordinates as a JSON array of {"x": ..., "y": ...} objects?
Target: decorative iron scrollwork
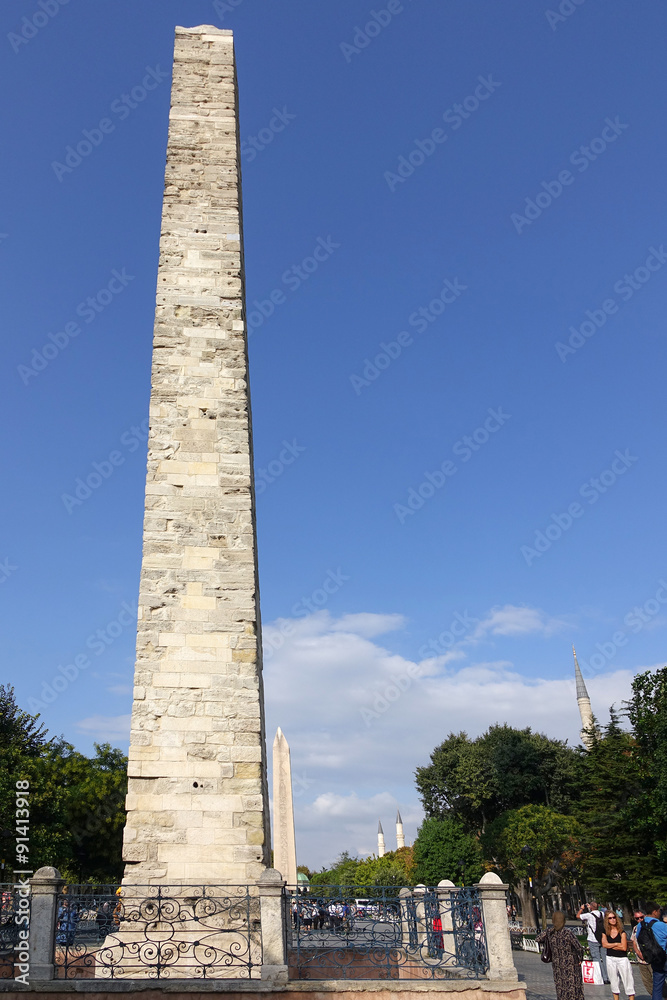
[
  {"x": 158, "y": 932},
  {"x": 389, "y": 934}
]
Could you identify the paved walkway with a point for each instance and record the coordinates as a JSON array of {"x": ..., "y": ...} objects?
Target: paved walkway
[{"x": 539, "y": 980}]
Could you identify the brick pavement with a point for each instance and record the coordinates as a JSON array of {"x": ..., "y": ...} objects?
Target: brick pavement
[{"x": 539, "y": 980}]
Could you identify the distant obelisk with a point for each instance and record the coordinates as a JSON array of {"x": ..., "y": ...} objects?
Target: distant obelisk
[
  {"x": 197, "y": 803},
  {"x": 284, "y": 842},
  {"x": 400, "y": 836},
  {"x": 584, "y": 703},
  {"x": 381, "y": 847}
]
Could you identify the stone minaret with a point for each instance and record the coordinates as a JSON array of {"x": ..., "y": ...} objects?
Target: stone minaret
[
  {"x": 197, "y": 798},
  {"x": 400, "y": 836},
  {"x": 584, "y": 703},
  {"x": 381, "y": 847},
  {"x": 284, "y": 843}
]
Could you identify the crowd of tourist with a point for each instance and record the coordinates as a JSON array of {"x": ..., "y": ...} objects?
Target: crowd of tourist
[
  {"x": 609, "y": 945},
  {"x": 318, "y": 914}
]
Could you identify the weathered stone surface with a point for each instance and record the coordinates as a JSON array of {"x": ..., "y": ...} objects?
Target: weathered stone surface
[
  {"x": 284, "y": 842},
  {"x": 197, "y": 748}
]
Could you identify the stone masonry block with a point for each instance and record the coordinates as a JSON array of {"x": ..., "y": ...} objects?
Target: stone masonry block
[{"x": 199, "y": 619}]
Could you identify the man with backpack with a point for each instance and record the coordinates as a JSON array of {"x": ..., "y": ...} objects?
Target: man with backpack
[
  {"x": 645, "y": 969},
  {"x": 652, "y": 942},
  {"x": 593, "y": 920}
]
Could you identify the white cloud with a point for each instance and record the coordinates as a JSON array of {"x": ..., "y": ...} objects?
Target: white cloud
[
  {"x": 120, "y": 689},
  {"x": 511, "y": 620},
  {"x": 359, "y": 718},
  {"x": 354, "y": 819},
  {"x": 368, "y": 625},
  {"x": 105, "y": 727}
]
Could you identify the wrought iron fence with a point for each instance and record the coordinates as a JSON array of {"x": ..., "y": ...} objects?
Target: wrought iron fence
[
  {"x": 158, "y": 932},
  {"x": 420, "y": 933},
  {"x": 10, "y": 910}
]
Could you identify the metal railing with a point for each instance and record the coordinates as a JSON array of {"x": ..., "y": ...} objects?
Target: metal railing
[
  {"x": 158, "y": 932},
  {"x": 389, "y": 934},
  {"x": 11, "y": 920},
  {"x": 261, "y": 932}
]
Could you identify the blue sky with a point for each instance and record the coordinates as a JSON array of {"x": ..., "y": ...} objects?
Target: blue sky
[{"x": 539, "y": 199}]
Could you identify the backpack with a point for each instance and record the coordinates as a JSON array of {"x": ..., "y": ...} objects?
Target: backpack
[
  {"x": 598, "y": 930},
  {"x": 653, "y": 953}
]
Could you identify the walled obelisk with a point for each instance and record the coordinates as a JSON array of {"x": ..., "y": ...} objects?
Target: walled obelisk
[
  {"x": 284, "y": 842},
  {"x": 197, "y": 799}
]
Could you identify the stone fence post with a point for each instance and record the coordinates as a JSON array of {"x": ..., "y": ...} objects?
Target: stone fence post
[
  {"x": 445, "y": 891},
  {"x": 272, "y": 914},
  {"x": 403, "y": 897},
  {"x": 492, "y": 892},
  {"x": 45, "y": 886}
]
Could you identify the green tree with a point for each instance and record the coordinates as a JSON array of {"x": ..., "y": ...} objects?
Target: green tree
[
  {"x": 619, "y": 854},
  {"x": 534, "y": 842},
  {"x": 395, "y": 868},
  {"x": 443, "y": 850},
  {"x": 647, "y": 810},
  {"x": 77, "y": 809},
  {"x": 477, "y": 780},
  {"x": 20, "y": 733}
]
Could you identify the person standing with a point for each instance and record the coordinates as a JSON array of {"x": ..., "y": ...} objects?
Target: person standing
[
  {"x": 645, "y": 970},
  {"x": 566, "y": 954},
  {"x": 615, "y": 942},
  {"x": 593, "y": 921},
  {"x": 656, "y": 939}
]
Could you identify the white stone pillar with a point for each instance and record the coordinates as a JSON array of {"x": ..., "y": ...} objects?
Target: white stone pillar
[
  {"x": 403, "y": 897},
  {"x": 492, "y": 892},
  {"x": 446, "y": 891},
  {"x": 284, "y": 843},
  {"x": 273, "y": 916},
  {"x": 45, "y": 886},
  {"x": 197, "y": 803}
]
